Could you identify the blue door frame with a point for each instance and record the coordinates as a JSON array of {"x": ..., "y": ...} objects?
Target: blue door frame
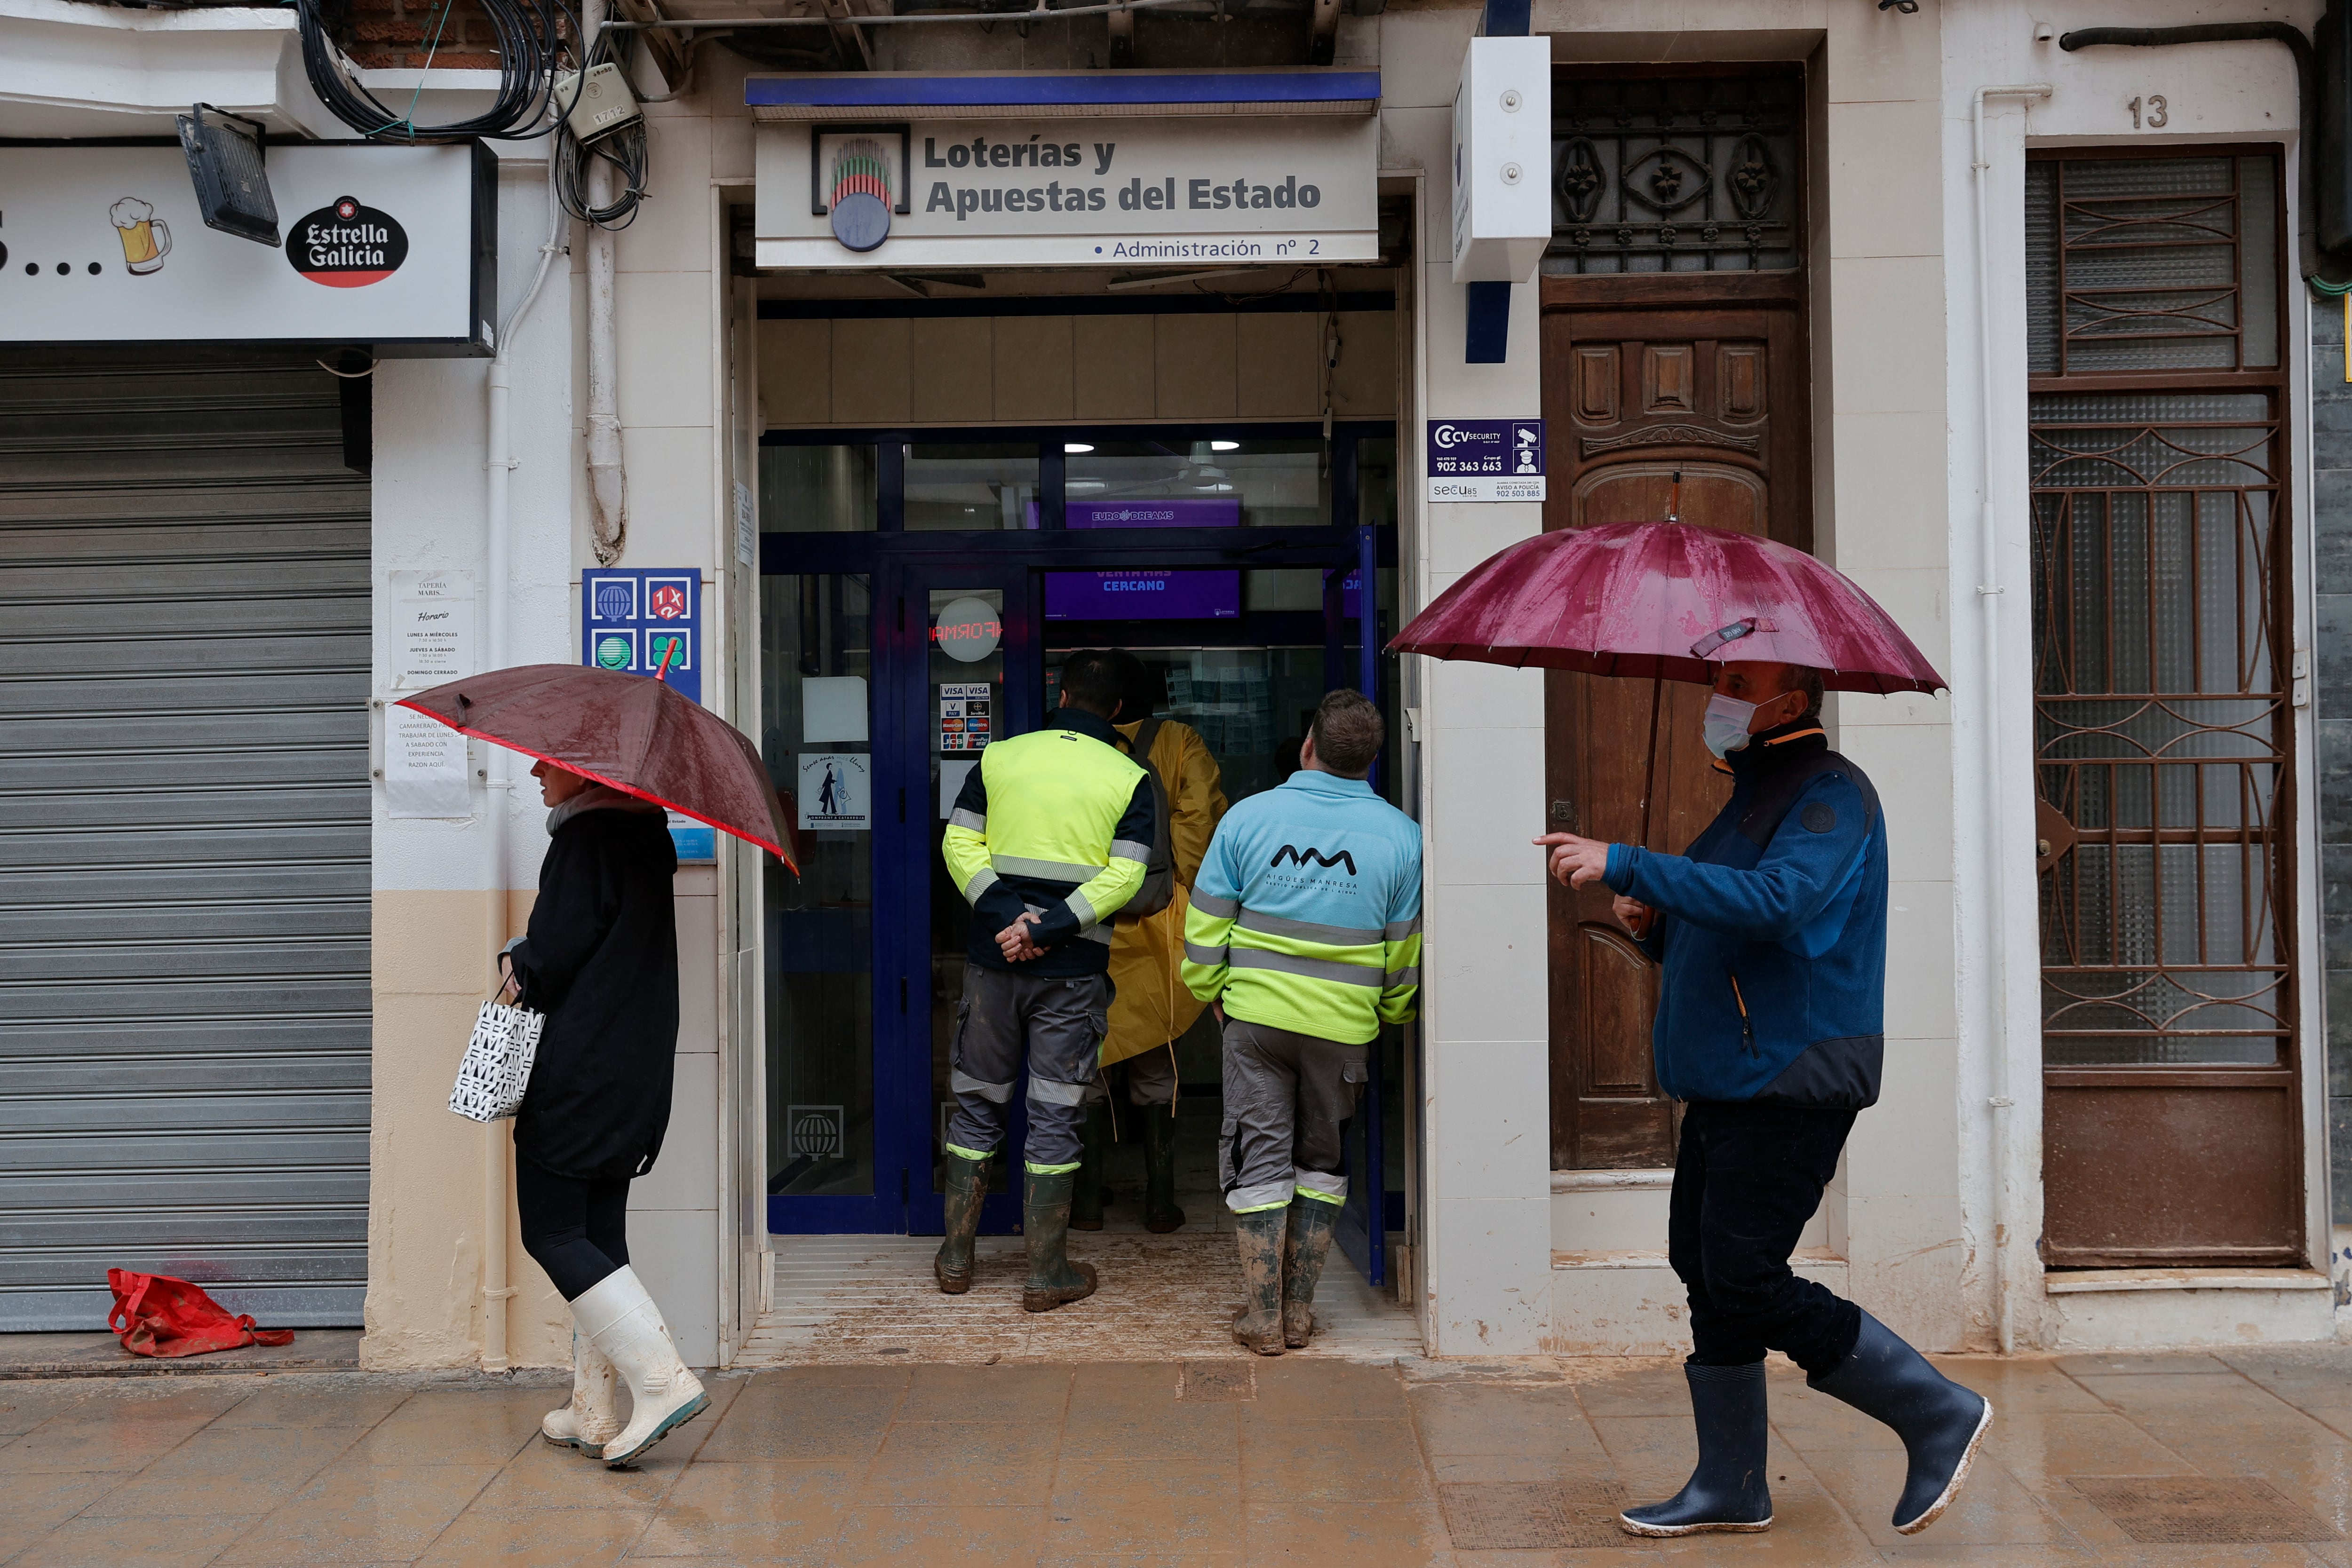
[{"x": 904, "y": 567}]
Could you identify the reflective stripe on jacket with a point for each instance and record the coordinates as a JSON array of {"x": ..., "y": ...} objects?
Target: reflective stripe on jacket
[
  {"x": 1306, "y": 913},
  {"x": 1057, "y": 821}
]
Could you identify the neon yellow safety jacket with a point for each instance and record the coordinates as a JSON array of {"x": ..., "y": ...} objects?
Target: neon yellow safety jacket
[
  {"x": 1058, "y": 822},
  {"x": 1306, "y": 913}
]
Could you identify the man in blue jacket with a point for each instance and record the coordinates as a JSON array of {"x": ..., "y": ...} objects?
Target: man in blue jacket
[{"x": 1772, "y": 930}]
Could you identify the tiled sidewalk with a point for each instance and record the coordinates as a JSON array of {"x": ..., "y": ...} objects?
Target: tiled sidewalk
[{"x": 2231, "y": 1460}]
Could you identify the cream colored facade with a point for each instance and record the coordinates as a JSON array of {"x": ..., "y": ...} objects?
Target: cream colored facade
[{"x": 1933, "y": 1221}]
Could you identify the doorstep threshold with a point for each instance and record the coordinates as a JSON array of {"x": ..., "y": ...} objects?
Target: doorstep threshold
[
  {"x": 2088, "y": 1282},
  {"x": 1818, "y": 1256}
]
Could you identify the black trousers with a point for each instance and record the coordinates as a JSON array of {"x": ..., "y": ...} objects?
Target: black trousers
[
  {"x": 576, "y": 1230},
  {"x": 1746, "y": 1179}
]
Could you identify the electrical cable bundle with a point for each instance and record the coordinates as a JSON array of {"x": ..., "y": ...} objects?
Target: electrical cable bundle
[
  {"x": 621, "y": 149},
  {"x": 531, "y": 40}
]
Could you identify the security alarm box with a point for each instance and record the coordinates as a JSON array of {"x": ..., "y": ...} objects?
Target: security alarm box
[{"x": 1502, "y": 160}]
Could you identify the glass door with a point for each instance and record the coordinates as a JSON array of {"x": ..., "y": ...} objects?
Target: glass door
[{"x": 964, "y": 671}]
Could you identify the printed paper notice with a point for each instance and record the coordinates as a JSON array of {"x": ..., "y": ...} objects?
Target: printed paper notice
[
  {"x": 431, "y": 628},
  {"x": 424, "y": 773},
  {"x": 833, "y": 793},
  {"x": 964, "y": 717}
]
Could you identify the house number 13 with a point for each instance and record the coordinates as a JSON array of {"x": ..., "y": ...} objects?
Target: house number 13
[{"x": 2156, "y": 115}]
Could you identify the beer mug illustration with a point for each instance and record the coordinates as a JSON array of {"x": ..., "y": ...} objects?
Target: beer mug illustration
[{"x": 146, "y": 238}]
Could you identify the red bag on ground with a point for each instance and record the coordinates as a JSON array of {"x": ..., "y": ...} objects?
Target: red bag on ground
[{"x": 158, "y": 1315}]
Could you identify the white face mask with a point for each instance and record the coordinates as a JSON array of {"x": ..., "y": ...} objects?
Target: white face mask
[{"x": 1726, "y": 723}]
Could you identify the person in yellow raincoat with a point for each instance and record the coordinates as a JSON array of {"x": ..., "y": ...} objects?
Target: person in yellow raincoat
[{"x": 1150, "y": 1006}]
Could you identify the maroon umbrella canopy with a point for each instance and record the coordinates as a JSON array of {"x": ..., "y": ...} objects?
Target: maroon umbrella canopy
[
  {"x": 1669, "y": 600},
  {"x": 633, "y": 732}
]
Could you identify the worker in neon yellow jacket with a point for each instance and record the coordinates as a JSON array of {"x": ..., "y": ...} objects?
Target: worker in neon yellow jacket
[
  {"x": 1305, "y": 933},
  {"x": 1049, "y": 838}
]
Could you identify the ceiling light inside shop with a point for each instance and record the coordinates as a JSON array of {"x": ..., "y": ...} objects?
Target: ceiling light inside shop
[
  {"x": 1085, "y": 484},
  {"x": 1075, "y": 447},
  {"x": 1224, "y": 446}
]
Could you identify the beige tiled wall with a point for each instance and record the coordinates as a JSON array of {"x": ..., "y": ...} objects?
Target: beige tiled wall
[{"x": 1028, "y": 369}]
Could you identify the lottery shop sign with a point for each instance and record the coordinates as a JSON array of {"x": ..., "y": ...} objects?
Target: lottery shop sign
[{"x": 644, "y": 622}]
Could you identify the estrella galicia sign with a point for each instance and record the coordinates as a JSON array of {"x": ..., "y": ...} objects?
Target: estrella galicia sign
[{"x": 346, "y": 245}]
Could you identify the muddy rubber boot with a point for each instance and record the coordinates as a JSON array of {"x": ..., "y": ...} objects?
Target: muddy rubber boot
[
  {"x": 1087, "y": 1194},
  {"x": 1054, "y": 1281},
  {"x": 1305, "y": 1246},
  {"x": 1728, "y": 1491},
  {"x": 1941, "y": 1424},
  {"x": 1160, "y": 1214},
  {"x": 620, "y": 1317},
  {"x": 967, "y": 1188},
  {"x": 1258, "y": 1325},
  {"x": 592, "y": 1417}
]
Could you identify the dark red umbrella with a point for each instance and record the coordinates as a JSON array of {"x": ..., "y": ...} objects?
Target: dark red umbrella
[
  {"x": 1671, "y": 600},
  {"x": 637, "y": 734}
]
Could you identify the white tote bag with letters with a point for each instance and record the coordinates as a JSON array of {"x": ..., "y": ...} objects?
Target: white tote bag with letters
[{"x": 496, "y": 1069}]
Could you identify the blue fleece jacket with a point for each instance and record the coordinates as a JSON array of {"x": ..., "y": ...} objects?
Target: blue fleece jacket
[{"x": 1773, "y": 933}]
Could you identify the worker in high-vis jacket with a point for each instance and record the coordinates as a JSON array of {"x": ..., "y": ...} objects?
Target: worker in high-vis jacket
[
  {"x": 1305, "y": 934},
  {"x": 1050, "y": 836}
]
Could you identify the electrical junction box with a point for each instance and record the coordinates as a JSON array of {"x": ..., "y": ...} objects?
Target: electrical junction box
[
  {"x": 1502, "y": 160},
  {"x": 604, "y": 103}
]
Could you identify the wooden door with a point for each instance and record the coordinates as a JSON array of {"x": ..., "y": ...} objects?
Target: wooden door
[{"x": 1646, "y": 378}]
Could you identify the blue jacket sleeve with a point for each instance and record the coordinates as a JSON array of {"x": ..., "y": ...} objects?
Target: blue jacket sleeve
[{"x": 1808, "y": 863}]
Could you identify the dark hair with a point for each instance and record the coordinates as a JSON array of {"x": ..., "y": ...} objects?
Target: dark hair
[
  {"x": 1806, "y": 679},
  {"x": 1091, "y": 680},
  {"x": 1139, "y": 692},
  {"x": 1348, "y": 732}
]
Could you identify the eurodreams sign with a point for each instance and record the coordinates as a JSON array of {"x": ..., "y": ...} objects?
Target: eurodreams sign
[
  {"x": 393, "y": 248},
  {"x": 1258, "y": 186}
]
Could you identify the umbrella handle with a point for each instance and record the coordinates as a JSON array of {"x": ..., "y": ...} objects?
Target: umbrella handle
[{"x": 1650, "y": 777}]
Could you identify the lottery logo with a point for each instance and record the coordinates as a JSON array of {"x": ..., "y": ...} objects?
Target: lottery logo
[
  {"x": 668, "y": 603},
  {"x": 613, "y": 652}
]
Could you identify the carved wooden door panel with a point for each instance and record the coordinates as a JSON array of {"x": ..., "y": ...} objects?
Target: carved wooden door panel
[{"x": 1634, "y": 398}]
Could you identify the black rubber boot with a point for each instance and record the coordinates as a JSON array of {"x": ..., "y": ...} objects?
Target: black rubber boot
[
  {"x": 1258, "y": 1325},
  {"x": 1728, "y": 1491},
  {"x": 967, "y": 1185},
  {"x": 1087, "y": 1194},
  {"x": 1160, "y": 1214},
  {"x": 1054, "y": 1281},
  {"x": 1941, "y": 1424},
  {"x": 1304, "y": 1248}
]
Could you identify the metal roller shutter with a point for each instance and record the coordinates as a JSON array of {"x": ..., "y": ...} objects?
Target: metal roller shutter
[{"x": 184, "y": 1001}]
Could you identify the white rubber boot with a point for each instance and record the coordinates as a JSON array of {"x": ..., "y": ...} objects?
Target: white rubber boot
[
  {"x": 593, "y": 1418},
  {"x": 621, "y": 1320}
]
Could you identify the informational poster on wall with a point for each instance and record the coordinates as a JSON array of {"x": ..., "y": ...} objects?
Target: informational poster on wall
[
  {"x": 964, "y": 717},
  {"x": 425, "y": 776},
  {"x": 1486, "y": 460},
  {"x": 425, "y": 771},
  {"x": 431, "y": 628},
  {"x": 833, "y": 791}
]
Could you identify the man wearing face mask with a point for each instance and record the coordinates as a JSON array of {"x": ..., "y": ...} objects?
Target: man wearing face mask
[{"x": 1772, "y": 930}]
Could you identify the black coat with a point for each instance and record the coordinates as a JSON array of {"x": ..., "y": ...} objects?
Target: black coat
[{"x": 601, "y": 961}]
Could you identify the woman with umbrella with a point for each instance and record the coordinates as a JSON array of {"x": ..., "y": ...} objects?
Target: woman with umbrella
[
  {"x": 1770, "y": 929},
  {"x": 600, "y": 960}
]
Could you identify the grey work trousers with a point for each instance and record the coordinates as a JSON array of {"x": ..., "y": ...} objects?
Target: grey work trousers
[
  {"x": 1286, "y": 1097},
  {"x": 1058, "y": 1023}
]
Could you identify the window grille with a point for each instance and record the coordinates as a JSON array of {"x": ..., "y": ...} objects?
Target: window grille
[
  {"x": 2162, "y": 729},
  {"x": 1676, "y": 174}
]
